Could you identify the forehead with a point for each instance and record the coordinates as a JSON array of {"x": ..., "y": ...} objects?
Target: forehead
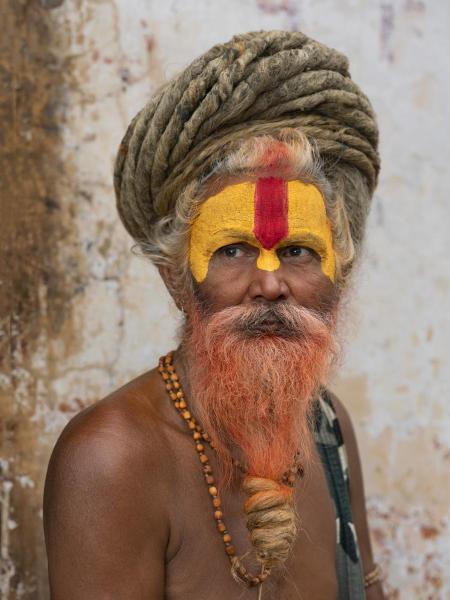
[
  {"x": 251, "y": 207},
  {"x": 231, "y": 207}
]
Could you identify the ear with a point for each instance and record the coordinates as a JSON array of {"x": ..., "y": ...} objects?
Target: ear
[{"x": 167, "y": 276}]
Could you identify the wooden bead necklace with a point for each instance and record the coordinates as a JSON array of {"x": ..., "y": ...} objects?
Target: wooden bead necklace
[{"x": 173, "y": 386}]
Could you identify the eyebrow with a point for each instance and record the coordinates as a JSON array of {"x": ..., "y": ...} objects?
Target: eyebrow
[
  {"x": 317, "y": 242},
  {"x": 238, "y": 234}
]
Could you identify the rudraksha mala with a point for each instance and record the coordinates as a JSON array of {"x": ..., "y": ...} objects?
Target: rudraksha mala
[{"x": 173, "y": 386}]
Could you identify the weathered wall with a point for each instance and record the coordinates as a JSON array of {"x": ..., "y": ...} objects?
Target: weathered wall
[{"x": 80, "y": 315}]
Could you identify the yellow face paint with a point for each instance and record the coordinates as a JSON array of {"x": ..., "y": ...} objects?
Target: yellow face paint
[{"x": 269, "y": 214}]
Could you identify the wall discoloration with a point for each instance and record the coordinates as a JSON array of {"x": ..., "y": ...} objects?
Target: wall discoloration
[
  {"x": 412, "y": 546},
  {"x": 38, "y": 281},
  {"x": 81, "y": 316},
  {"x": 387, "y": 30},
  {"x": 272, "y": 7},
  {"x": 290, "y": 8}
]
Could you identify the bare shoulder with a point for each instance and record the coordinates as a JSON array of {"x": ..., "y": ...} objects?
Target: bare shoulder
[
  {"x": 105, "y": 496},
  {"x": 125, "y": 429}
]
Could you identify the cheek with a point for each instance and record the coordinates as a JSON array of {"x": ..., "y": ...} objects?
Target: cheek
[
  {"x": 216, "y": 292},
  {"x": 313, "y": 290}
]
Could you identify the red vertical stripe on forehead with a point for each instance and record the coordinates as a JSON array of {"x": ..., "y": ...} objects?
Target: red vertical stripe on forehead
[{"x": 271, "y": 211}]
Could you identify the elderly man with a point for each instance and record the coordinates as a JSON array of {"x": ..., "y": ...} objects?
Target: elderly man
[{"x": 223, "y": 473}]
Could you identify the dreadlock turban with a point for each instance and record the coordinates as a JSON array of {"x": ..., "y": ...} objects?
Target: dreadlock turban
[{"x": 256, "y": 84}]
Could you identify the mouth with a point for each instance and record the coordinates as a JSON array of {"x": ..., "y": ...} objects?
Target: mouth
[
  {"x": 266, "y": 321},
  {"x": 269, "y": 326},
  {"x": 270, "y": 323}
]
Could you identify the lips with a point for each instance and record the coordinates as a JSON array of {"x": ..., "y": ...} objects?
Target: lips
[
  {"x": 271, "y": 323},
  {"x": 268, "y": 320},
  {"x": 268, "y": 326}
]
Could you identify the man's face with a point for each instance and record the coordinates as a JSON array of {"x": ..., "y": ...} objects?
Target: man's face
[
  {"x": 268, "y": 240},
  {"x": 259, "y": 336}
]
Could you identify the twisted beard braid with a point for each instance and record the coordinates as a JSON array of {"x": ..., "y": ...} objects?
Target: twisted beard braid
[{"x": 253, "y": 372}]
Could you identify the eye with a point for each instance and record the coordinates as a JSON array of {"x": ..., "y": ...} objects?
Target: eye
[
  {"x": 297, "y": 251},
  {"x": 232, "y": 251}
]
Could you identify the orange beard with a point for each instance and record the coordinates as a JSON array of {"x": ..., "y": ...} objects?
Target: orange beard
[{"x": 253, "y": 372}]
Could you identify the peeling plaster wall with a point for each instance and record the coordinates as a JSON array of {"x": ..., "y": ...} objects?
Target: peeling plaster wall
[{"x": 81, "y": 316}]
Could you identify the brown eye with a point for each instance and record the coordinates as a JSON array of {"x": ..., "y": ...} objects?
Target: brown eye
[
  {"x": 231, "y": 251},
  {"x": 297, "y": 251}
]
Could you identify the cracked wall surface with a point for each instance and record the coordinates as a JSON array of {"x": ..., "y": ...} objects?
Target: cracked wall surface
[{"x": 80, "y": 315}]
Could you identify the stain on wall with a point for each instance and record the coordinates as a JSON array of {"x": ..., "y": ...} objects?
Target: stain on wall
[
  {"x": 38, "y": 278},
  {"x": 80, "y": 315},
  {"x": 387, "y": 30}
]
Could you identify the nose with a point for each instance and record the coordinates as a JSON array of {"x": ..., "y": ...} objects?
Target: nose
[{"x": 268, "y": 285}]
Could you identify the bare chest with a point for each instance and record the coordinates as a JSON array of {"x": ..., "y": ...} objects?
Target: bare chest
[{"x": 197, "y": 566}]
